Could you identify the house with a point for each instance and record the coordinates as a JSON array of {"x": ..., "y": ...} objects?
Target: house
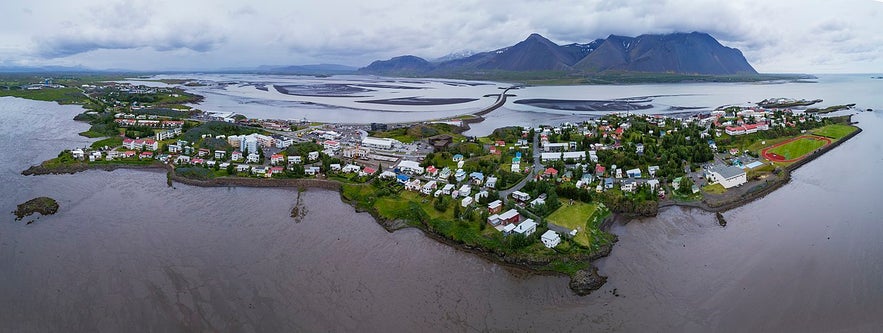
[
  {"x": 495, "y": 207},
  {"x": 516, "y": 167},
  {"x": 197, "y": 161},
  {"x": 313, "y": 155},
  {"x": 568, "y": 175},
  {"x": 253, "y": 158},
  {"x": 509, "y": 217},
  {"x": 537, "y": 202},
  {"x": 444, "y": 173},
  {"x": 202, "y": 152},
  {"x": 633, "y": 173},
  {"x": 447, "y": 189},
  {"x": 220, "y": 154},
  {"x": 520, "y": 196},
  {"x": 494, "y": 219},
  {"x": 628, "y": 185},
  {"x": 477, "y": 178},
  {"x": 145, "y": 155},
  {"x": 260, "y": 170},
  {"x": 294, "y": 159},
  {"x": 95, "y": 156},
  {"x": 313, "y": 170},
  {"x": 129, "y": 143},
  {"x": 387, "y": 174},
  {"x": 550, "y": 173},
  {"x": 180, "y": 160},
  {"x": 728, "y": 176},
  {"x": 410, "y": 167},
  {"x": 481, "y": 194},
  {"x": 550, "y": 239},
  {"x": 335, "y": 166},
  {"x": 653, "y": 183},
  {"x": 350, "y": 168},
  {"x": 652, "y": 170},
  {"x": 367, "y": 172},
  {"x": 526, "y": 228},
  {"x": 599, "y": 170},
  {"x": 402, "y": 178},
  {"x": 236, "y": 156},
  {"x": 460, "y": 175},
  {"x": 457, "y": 157},
  {"x": 243, "y": 168},
  {"x": 276, "y": 170},
  {"x": 412, "y": 185},
  {"x": 151, "y": 144},
  {"x": 277, "y": 159},
  {"x": 465, "y": 190},
  {"x": 356, "y": 152},
  {"x": 78, "y": 154},
  {"x": 608, "y": 183},
  {"x": 429, "y": 187},
  {"x": 507, "y": 229},
  {"x": 618, "y": 173},
  {"x": 431, "y": 171},
  {"x": 466, "y": 202},
  {"x": 331, "y": 144},
  {"x": 174, "y": 148},
  {"x": 491, "y": 182}
]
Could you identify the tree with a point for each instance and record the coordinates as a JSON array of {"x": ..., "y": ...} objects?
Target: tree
[
  {"x": 456, "y": 211},
  {"x": 685, "y": 186}
]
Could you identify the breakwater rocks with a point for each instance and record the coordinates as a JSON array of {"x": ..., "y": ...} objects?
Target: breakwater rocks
[{"x": 258, "y": 182}]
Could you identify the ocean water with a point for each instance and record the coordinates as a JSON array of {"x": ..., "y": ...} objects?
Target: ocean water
[{"x": 125, "y": 252}]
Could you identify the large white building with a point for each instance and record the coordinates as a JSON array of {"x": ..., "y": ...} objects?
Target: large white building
[
  {"x": 728, "y": 176},
  {"x": 378, "y": 143},
  {"x": 574, "y": 155}
]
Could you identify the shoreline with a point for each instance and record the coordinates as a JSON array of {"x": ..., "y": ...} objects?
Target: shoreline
[{"x": 582, "y": 282}]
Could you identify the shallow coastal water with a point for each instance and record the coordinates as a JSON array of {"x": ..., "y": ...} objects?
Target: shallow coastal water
[{"x": 127, "y": 253}]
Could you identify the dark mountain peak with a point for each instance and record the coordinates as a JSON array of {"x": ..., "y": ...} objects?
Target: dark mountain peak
[{"x": 690, "y": 53}]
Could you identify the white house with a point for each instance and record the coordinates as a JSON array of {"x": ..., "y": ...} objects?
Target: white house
[
  {"x": 574, "y": 155},
  {"x": 351, "y": 168},
  {"x": 313, "y": 155},
  {"x": 312, "y": 170},
  {"x": 520, "y": 196},
  {"x": 491, "y": 182},
  {"x": 728, "y": 176},
  {"x": 465, "y": 190},
  {"x": 219, "y": 154},
  {"x": 387, "y": 174},
  {"x": 653, "y": 183},
  {"x": 429, "y": 187},
  {"x": 526, "y": 228},
  {"x": 335, "y": 167},
  {"x": 253, "y": 158},
  {"x": 447, "y": 188},
  {"x": 634, "y": 173},
  {"x": 550, "y": 239},
  {"x": 295, "y": 159},
  {"x": 537, "y": 202},
  {"x": 466, "y": 202},
  {"x": 411, "y": 167}
]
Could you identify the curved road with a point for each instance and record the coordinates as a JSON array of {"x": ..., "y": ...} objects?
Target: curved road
[{"x": 535, "y": 170}]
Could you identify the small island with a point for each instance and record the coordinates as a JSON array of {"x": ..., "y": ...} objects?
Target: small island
[{"x": 43, "y": 205}]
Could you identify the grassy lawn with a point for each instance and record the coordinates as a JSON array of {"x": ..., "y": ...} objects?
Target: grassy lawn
[
  {"x": 714, "y": 189},
  {"x": 575, "y": 217},
  {"x": 60, "y": 95},
  {"x": 111, "y": 142},
  {"x": 835, "y": 131},
  {"x": 758, "y": 145},
  {"x": 797, "y": 148}
]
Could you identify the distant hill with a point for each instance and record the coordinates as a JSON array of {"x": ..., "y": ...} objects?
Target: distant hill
[
  {"x": 309, "y": 69},
  {"x": 680, "y": 53}
]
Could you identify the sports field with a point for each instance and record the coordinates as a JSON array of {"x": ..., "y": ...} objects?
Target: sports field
[
  {"x": 794, "y": 149},
  {"x": 835, "y": 131}
]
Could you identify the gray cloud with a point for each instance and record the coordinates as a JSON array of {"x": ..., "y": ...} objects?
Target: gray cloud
[{"x": 775, "y": 36}]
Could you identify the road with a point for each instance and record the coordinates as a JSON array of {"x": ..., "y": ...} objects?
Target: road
[{"x": 536, "y": 169}]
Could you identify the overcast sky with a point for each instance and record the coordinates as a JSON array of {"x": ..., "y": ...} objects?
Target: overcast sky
[{"x": 807, "y": 36}]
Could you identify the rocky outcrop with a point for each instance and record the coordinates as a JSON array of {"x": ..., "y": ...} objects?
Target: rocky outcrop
[{"x": 585, "y": 281}]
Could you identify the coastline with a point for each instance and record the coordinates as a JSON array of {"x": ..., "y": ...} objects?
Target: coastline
[{"x": 583, "y": 282}]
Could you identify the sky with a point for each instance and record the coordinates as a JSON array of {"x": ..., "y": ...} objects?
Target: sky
[{"x": 781, "y": 36}]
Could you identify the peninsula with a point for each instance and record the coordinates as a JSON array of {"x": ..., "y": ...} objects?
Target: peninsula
[{"x": 539, "y": 198}]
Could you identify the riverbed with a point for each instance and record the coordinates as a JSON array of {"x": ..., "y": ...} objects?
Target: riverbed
[{"x": 127, "y": 253}]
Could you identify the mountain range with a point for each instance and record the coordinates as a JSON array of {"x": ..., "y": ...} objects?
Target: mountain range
[{"x": 682, "y": 53}]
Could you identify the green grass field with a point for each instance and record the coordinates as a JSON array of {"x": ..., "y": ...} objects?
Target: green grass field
[
  {"x": 835, "y": 131},
  {"x": 575, "y": 217},
  {"x": 714, "y": 189},
  {"x": 60, "y": 95},
  {"x": 797, "y": 148}
]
